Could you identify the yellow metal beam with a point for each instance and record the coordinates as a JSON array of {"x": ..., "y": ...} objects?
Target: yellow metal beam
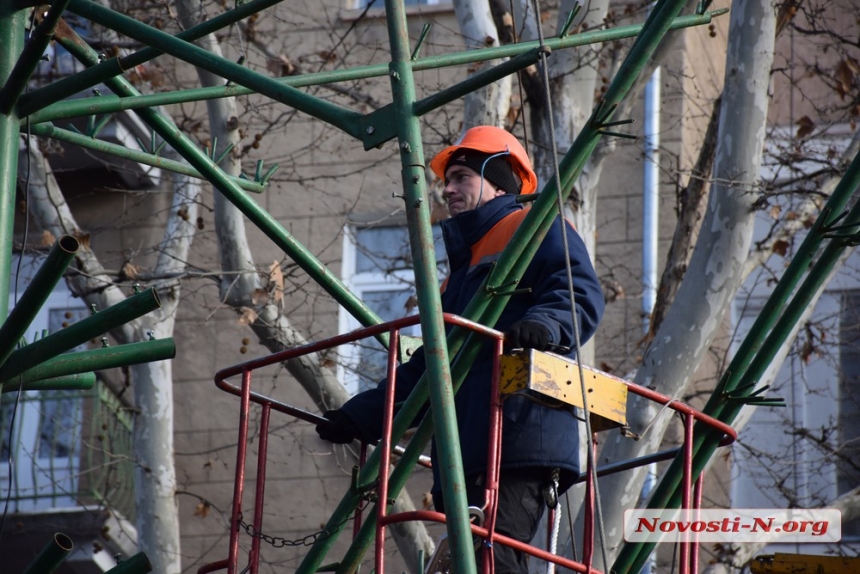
[
  {"x": 804, "y": 564},
  {"x": 557, "y": 378}
]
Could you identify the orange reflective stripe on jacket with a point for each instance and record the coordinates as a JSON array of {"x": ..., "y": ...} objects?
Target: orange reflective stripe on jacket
[{"x": 489, "y": 248}]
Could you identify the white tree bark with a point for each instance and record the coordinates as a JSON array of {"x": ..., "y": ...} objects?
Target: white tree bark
[
  {"x": 717, "y": 263},
  {"x": 488, "y": 105},
  {"x": 155, "y": 478}
]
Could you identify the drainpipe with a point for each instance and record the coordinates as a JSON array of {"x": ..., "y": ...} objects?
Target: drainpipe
[
  {"x": 650, "y": 226},
  {"x": 650, "y": 200}
]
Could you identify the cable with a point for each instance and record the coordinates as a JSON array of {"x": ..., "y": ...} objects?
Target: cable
[
  {"x": 560, "y": 201},
  {"x": 11, "y": 461},
  {"x": 483, "y": 165}
]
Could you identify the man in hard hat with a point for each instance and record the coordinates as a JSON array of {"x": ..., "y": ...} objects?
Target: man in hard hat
[{"x": 483, "y": 174}]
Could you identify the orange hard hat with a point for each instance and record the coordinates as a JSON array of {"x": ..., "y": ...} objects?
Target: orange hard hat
[{"x": 490, "y": 139}]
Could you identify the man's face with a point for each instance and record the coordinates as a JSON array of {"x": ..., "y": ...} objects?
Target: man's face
[{"x": 463, "y": 190}]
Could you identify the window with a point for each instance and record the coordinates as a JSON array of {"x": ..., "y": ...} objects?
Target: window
[
  {"x": 44, "y": 442},
  {"x": 806, "y": 454},
  {"x": 378, "y": 269}
]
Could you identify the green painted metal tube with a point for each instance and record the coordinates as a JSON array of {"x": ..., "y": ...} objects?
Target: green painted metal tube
[
  {"x": 99, "y": 359},
  {"x": 137, "y": 564},
  {"x": 316, "y": 269},
  {"x": 79, "y": 333},
  {"x": 408, "y": 460},
  {"x": 37, "y": 292},
  {"x": 477, "y": 81},
  {"x": 30, "y": 57},
  {"x": 343, "y": 118},
  {"x": 51, "y": 556},
  {"x": 12, "y": 24},
  {"x": 378, "y": 127},
  {"x": 108, "y": 104},
  {"x": 78, "y": 382},
  {"x": 51, "y": 131},
  {"x": 66, "y": 87},
  {"x": 449, "y": 459},
  {"x": 766, "y": 337}
]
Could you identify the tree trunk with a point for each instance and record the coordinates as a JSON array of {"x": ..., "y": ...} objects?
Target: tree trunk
[
  {"x": 487, "y": 105},
  {"x": 717, "y": 263},
  {"x": 155, "y": 479}
]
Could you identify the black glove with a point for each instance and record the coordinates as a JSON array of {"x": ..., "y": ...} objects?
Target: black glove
[
  {"x": 339, "y": 428},
  {"x": 527, "y": 335}
]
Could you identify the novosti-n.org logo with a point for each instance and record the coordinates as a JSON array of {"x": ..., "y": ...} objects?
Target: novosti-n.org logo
[{"x": 770, "y": 525}]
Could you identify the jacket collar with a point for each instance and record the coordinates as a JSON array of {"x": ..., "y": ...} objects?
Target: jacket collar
[{"x": 462, "y": 231}]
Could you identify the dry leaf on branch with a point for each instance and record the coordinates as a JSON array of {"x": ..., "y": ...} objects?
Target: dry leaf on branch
[
  {"x": 804, "y": 127},
  {"x": 280, "y": 66},
  {"x": 130, "y": 271},
  {"x": 780, "y": 247},
  {"x": 276, "y": 277},
  {"x": 844, "y": 76},
  {"x": 259, "y": 297},
  {"x": 48, "y": 238},
  {"x": 775, "y": 210},
  {"x": 202, "y": 509},
  {"x": 247, "y": 316}
]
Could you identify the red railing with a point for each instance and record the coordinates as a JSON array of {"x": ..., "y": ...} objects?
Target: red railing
[{"x": 690, "y": 498}]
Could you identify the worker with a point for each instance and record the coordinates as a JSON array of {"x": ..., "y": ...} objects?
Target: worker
[{"x": 483, "y": 175}]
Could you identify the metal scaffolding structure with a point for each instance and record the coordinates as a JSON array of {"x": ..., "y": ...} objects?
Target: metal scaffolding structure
[{"x": 398, "y": 120}]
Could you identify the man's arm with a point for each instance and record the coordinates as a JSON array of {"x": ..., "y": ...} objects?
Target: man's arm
[
  {"x": 552, "y": 305},
  {"x": 361, "y": 416}
]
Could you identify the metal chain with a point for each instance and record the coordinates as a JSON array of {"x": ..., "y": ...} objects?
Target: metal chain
[{"x": 278, "y": 542}]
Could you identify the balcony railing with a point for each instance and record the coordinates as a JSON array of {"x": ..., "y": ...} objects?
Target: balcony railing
[{"x": 68, "y": 449}]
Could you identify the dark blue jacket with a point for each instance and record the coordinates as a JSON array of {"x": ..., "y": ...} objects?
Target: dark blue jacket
[{"x": 533, "y": 435}]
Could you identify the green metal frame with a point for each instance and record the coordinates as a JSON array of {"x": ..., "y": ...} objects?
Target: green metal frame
[
  {"x": 52, "y": 555},
  {"x": 35, "y": 111},
  {"x": 834, "y": 231}
]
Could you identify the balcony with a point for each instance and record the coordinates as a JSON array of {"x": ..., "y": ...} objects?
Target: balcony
[{"x": 71, "y": 472}]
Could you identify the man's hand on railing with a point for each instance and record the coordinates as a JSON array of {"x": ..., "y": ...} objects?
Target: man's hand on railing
[
  {"x": 338, "y": 429},
  {"x": 527, "y": 334}
]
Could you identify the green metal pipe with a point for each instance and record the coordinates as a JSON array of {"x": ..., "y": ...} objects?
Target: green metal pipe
[
  {"x": 408, "y": 460},
  {"x": 12, "y": 23},
  {"x": 79, "y": 333},
  {"x": 30, "y": 57},
  {"x": 36, "y": 294},
  {"x": 51, "y": 556},
  {"x": 51, "y": 131},
  {"x": 78, "y": 382},
  {"x": 108, "y": 104},
  {"x": 760, "y": 346},
  {"x": 99, "y": 359},
  {"x": 477, "y": 81},
  {"x": 137, "y": 564},
  {"x": 66, "y": 87},
  {"x": 256, "y": 214},
  {"x": 335, "y": 115},
  {"x": 378, "y": 127},
  {"x": 449, "y": 458}
]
